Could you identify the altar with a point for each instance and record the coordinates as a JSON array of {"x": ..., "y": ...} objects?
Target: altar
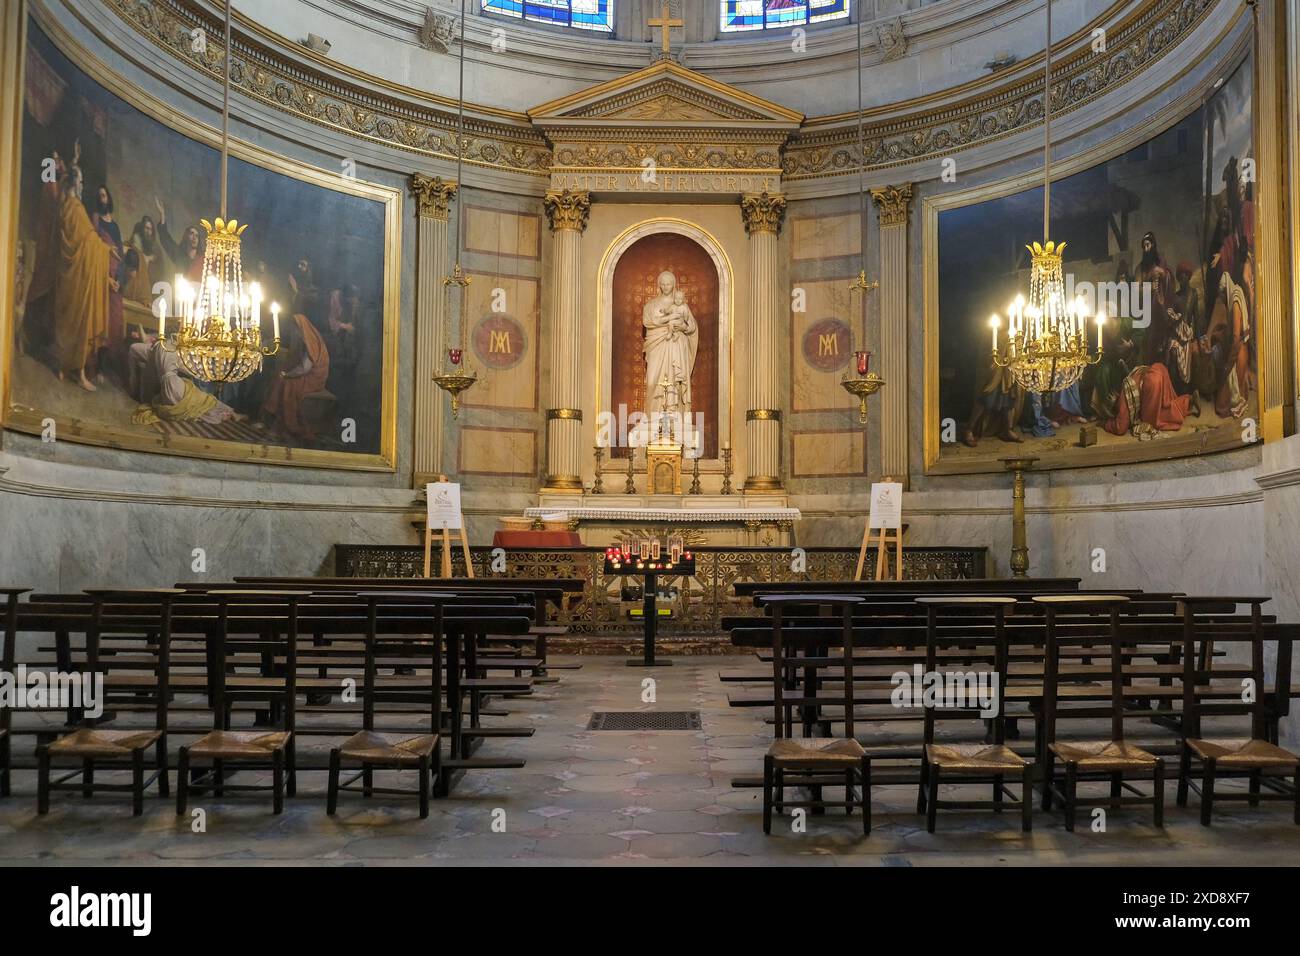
[{"x": 715, "y": 520}]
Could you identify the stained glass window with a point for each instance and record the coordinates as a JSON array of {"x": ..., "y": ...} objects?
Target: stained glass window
[
  {"x": 740, "y": 15},
  {"x": 583, "y": 14}
]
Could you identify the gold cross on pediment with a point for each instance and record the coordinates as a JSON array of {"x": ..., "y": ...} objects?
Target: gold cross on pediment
[{"x": 665, "y": 22}]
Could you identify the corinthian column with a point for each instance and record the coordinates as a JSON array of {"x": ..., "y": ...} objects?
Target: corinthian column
[
  {"x": 567, "y": 213},
  {"x": 763, "y": 214},
  {"x": 893, "y": 204},
  {"x": 433, "y": 196}
]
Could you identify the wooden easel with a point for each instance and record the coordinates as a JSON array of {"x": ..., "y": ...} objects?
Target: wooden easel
[
  {"x": 445, "y": 534},
  {"x": 886, "y": 537}
]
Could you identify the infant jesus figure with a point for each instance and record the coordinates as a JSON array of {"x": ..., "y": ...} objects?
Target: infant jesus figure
[{"x": 678, "y": 315}]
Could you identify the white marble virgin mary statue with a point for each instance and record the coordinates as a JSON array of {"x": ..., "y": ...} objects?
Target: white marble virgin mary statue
[{"x": 671, "y": 340}]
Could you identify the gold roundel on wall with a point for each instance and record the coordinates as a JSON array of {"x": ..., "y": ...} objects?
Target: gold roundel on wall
[
  {"x": 499, "y": 341},
  {"x": 827, "y": 345}
]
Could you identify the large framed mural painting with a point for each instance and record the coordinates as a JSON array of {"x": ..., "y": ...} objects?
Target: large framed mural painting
[
  {"x": 1162, "y": 240},
  {"x": 110, "y": 199}
]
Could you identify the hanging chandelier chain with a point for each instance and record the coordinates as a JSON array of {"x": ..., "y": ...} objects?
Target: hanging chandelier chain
[
  {"x": 225, "y": 114},
  {"x": 1047, "y": 336},
  {"x": 1047, "y": 130},
  {"x": 862, "y": 155},
  {"x": 460, "y": 131},
  {"x": 458, "y": 378}
]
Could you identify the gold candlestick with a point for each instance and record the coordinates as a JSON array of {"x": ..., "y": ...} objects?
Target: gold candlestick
[
  {"x": 726, "y": 472},
  {"x": 695, "y": 476},
  {"x": 1019, "y": 542},
  {"x": 598, "y": 486},
  {"x": 629, "y": 488}
]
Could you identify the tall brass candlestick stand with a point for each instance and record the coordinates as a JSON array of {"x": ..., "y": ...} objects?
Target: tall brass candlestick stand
[
  {"x": 598, "y": 486},
  {"x": 726, "y": 472},
  {"x": 629, "y": 488},
  {"x": 1019, "y": 545},
  {"x": 695, "y": 477}
]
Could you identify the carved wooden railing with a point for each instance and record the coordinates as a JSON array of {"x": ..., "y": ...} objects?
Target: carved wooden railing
[{"x": 703, "y": 598}]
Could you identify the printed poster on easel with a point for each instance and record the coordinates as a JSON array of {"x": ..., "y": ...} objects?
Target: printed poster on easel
[
  {"x": 886, "y": 518},
  {"x": 442, "y": 518},
  {"x": 444, "y": 504},
  {"x": 886, "y": 506}
]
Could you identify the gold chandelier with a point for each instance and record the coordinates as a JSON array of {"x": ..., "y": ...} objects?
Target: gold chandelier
[
  {"x": 866, "y": 382},
  {"x": 220, "y": 335},
  {"x": 1047, "y": 340},
  {"x": 456, "y": 377}
]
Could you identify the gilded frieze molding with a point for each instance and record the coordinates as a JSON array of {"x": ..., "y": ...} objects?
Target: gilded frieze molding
[
  {"x": 434, "y": 195},
  {"x": 567, "y": 209},
  {"x": 935, "y": 126},
  {"x": 1132, "y": 47},
  {"x": 299, "y": 89},
  {"x": 762, "y": 212},
  {"x": 671, "y": 154},
  {"x": 893, "y": 204}
]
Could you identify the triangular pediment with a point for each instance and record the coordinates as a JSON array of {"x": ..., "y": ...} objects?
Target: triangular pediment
[{"x": 665, "y": 94}]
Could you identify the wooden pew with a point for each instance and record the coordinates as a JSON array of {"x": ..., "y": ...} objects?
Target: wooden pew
[
  {"x": 544, "y": 592},
  {"x": 881, "y": 650},
  {"x": 338, "y": 617}
]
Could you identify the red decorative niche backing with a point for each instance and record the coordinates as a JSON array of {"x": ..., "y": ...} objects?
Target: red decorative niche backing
[{"x": 635, "y": 280}]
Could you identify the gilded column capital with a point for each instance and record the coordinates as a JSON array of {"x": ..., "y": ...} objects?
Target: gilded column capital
[
  {"x": 567, "y": 209},
  {"x": 893, "y": 203},
  {"x": 433, "y": 194},
  {"x": 762, "y": 212}
]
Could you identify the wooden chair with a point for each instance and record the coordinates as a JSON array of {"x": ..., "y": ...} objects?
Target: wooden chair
[
  {"x": 813, "y": 761},
  {"x": 8, "y": 655},
  {"x": 971, "y": 762},
  {"x": 95, "y": 746},
  {"x": 223, "y": 746},
  {"x": 1254, "y": 757},
  {"x": 373, "y": 750},
  {"x": 1112, "y": 759}
]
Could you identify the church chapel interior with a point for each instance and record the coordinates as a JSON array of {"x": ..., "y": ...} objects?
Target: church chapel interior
[{"x": 643, "y": 432}]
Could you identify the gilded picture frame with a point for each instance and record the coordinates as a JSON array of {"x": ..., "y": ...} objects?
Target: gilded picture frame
[
  {"x": 1235, "y": 55},
  {"x": 389, "y": 206}
]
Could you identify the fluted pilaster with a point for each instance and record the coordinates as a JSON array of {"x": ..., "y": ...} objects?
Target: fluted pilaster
[
  {"x": 567, "y": 213},
  {"x": 893, "y": 203},
  {"x": 763, "y": 215},
  {"x": 433, "y": 197}
]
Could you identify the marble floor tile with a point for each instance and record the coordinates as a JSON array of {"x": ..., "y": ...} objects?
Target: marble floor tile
[{"x": 613, "y": 798}]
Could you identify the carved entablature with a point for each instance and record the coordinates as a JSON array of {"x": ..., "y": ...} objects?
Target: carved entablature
[
  {"x": 828, "y": 146},
  {"x": 393, "y": 116},
  {"x": 665, "y": 129}
]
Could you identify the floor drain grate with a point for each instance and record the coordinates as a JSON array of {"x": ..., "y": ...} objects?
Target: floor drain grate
[{"x": 645, "y": 720}]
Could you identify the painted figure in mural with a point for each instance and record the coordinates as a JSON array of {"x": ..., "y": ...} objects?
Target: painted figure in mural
[
  {"x": 671, "y": 342},
  {"x": 1154, "y": 270},
  {"x": 156, "y": 374},
  {"x": 111, "y": 233},
  {"x": 82, "y": 286},
  {"x": 144, "y": 243},
  {"x": 186, "y": 255},
  {"x": 999, "y": 403},
  {"x": 305, "y": 367}
]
